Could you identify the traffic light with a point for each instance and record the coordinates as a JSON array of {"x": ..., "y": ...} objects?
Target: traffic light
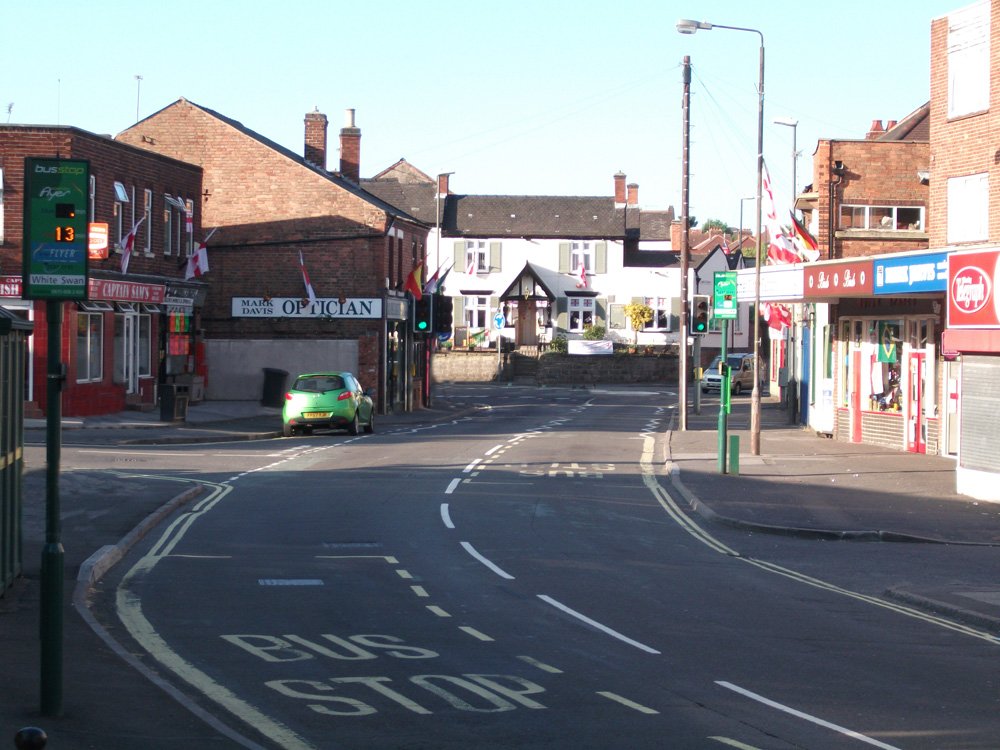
[
  {"x": 443, "y": 306},
  {"x": 423, "y": 314},
  {"x": 698, "y": 322}
]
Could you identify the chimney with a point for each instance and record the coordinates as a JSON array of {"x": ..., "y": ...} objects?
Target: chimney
[
  {"x": 315, "y": 149},
  {"x": 633, "y": 194},
  {"x": 875, "y": 131},
  {"x": 675, "y": 235},
  {"x": 443, "y": 184},
  {"x": 619, "y": 189},
  {"x": 350, "y": 149},
  {"x": 890, "y": 124}
]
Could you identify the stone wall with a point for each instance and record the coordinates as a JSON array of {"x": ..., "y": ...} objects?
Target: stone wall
[{"x": 558, "y": 369}]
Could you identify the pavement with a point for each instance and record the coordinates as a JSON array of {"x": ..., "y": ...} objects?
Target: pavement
[{"x": 801, "y": 484}]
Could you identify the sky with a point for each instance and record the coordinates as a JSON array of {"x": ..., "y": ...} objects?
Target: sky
[{"x": 515, "y": 97}]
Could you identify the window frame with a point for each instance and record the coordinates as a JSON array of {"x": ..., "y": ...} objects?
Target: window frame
[
  {"x": 581, "y": 251},
  {"x": 147, "y": 212},
  {"x": 577, "y": 311},
  {"x": 661, "y": 307},
  {"x": 477, "y": 306},
  {"x": 968, "y": 206},
  {"x": 478, "y": 252},
  {"x": 90, "y": 355},
  {"x": 865, "y": 212}
]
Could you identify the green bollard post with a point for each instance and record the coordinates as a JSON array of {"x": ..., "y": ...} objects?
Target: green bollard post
[{"x": 734, "y": 455}]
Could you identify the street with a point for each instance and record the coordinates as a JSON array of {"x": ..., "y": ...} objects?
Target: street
[{"x": 522, "y": 576}]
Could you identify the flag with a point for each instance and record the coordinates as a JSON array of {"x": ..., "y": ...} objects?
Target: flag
[
  {"x": 779, "y": 244},
  {"x": 582, "y": 284},
  {"x": 805, "y": 243},
  {"x": 470, "y": 264},
  {"x": 777, "y": 316},
  {"x": 310, "y": 293},
  {"x": 197, "y": 264},
  {"x": 128, "y": 243},
  {"x": 444, "y": 276},
  {"x": 412, "y": 283},
  {"x": 432, "y": 283},
  {"x": 725, "y": 245}
]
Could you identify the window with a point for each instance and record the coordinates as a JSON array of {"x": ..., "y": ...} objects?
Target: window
[
  {"x": 581, "y": 254},
  {"x": 882, "y": 218},
  {"x": 476, "y": 259},
  {"x": 173, "y": 224},
  {"x": 145, "y": 347},
  {"x": 1, "y": 206},
  {"x": 91, "y": 197},
  {"x": 661, "y": 314},
  {"x": 969, "y": 60},
  {"x": 89, "y": 347},
  {"x": 118, "y": 212},
  {"x": 477, "y": 312},
  {"x": 581, "y": 313},
  {"x": 968, "y": 208},
  {"x": 147, "y": 212},
  {"x": 188, "y": 228}
]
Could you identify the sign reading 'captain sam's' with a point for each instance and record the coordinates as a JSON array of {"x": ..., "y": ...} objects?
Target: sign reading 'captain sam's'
[{"x": 972, "y": 296}]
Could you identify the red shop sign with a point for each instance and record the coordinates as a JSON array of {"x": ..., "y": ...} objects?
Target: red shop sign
[
  {"x": 126, "y": 291},
  {"x": 850, "y": 278},
  {"x": 972, "y": 297}
]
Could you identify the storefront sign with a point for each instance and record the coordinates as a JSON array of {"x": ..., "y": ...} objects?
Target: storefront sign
[
  {"x": 851, "y": 278},
  {"x": 782, "y": 283},
  {"x": 292, "y": 307},
  {"x": 125, "y": 291},
  {"x": 97, "y": 241},
  {"x": 909, "y": 274},
  {"x": 10, "y": 286},
  {"x": 972, "y": 297}
]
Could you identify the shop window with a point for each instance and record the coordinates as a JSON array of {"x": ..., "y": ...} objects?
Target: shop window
[
  {"x": 884, "y": 393},
  {"x": 89, "y": 347},
  {"x": 145, "y": 347}
]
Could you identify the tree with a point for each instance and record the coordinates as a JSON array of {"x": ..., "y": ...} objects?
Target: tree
[
  {"x": 638, "y": 315},
  {"x": 716, "y": 224}
]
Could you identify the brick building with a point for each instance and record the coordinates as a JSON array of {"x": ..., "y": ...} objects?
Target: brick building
[
  {"x": 135, "y": 331},
  {"x": 278, "y": 216},
  {"x": 965, "y": 224}
]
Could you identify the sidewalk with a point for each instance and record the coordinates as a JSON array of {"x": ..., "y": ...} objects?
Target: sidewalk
[
  {"x": 811, "y": 486},
  {"x": 801, "y": 484}
]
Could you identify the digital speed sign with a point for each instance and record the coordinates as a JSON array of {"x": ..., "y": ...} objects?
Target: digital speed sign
[{"x": 55, "y": 229}]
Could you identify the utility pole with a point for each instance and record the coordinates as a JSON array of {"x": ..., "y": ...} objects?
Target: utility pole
[{"x": 683, "y": 366}]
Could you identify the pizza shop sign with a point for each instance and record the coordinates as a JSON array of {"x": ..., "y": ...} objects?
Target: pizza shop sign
[{"x": 972, "y": 299}]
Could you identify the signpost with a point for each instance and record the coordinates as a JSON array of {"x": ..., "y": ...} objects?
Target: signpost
[
  {"x": 54, "y": 268},
  {"x": 724, "y": 308}
]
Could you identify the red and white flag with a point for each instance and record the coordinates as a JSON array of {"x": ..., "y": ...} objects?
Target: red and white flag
[
  {"x": 470, "y": 266},
  {"x": 582, "y": 283},
  {"x": 777, "y": 316},
  {"x": 197, "y": 264},
  {"x": 779, "y": 245},
  {"x": 310, "y": 292},
  {"x": 128, "y": 244}
]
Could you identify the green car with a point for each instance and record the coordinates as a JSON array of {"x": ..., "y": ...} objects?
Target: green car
[{"x": 327, "y": 399}]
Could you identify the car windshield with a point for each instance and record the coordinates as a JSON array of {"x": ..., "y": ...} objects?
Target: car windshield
[
  {"x": 319, "y": 383},
  {"x": 735, "y": 362}
]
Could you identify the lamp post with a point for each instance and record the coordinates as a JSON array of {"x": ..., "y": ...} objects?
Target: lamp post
[
  {"x": 794, "y": 125},
  {"x": 687, "y": 26},
  {"x": 742, "y": 201}
]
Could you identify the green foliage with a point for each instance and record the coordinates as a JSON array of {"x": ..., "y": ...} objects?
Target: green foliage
[
  {"x": 559, "y": 344},
  {"x": 716, "y": 224},
  {"x": 594, "y": 333},
  {"x": 638, "y": 315}
]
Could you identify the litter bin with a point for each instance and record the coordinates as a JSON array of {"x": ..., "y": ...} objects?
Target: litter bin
[
  {"x": 173, "y": 402},
  {"x": 274, "y": 387}
]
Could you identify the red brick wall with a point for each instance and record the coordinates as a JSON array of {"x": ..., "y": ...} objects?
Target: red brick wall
[
  {"x": 965, "y": 145},
  {"x": 876, "y": 173}
]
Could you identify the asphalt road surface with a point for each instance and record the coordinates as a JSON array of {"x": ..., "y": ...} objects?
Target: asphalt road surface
[{"x": 518, "y": 577}]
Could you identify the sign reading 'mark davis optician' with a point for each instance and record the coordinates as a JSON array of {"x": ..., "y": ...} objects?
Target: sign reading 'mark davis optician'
[{"x": 291, "y": 307}]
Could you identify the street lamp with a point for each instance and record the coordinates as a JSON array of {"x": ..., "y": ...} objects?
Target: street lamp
[
  {"x": 794, "y": 125},
  {"x": 687, "y": 26},
  {"x": 742, "y": 201}
]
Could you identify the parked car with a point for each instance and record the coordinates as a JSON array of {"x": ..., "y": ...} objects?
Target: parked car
[
  {"x": 741, "y": 372},
  {"x": 327, "y": 399}
]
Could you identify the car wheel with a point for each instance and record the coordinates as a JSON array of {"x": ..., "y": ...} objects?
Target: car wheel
[
  {"x": 738, "y": 389},
  {"x": 287, "y": 430},
  {"x": 370, "y": 427},
  {"x": 353, "y": 427}
]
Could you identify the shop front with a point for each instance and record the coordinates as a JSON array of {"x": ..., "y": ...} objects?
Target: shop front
[
  {"x": 885, "y": 317},
  {"x": 972, "y": 340}
]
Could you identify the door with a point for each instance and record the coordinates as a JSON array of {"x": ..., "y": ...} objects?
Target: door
[
  {"x": 127, "y": 351},
  {"x": 916, "y": 425},
  {"x": 854, "y": 396},
  {"x": 527, "y": 329}
]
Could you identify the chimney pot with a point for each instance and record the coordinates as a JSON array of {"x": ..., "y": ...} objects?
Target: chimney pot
[
  {"x": 875, "y": 131},
  {"x": 315, "y": 145},
  {"x": 620, "y": 189},
  {"x": 350, "y": 149}
]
